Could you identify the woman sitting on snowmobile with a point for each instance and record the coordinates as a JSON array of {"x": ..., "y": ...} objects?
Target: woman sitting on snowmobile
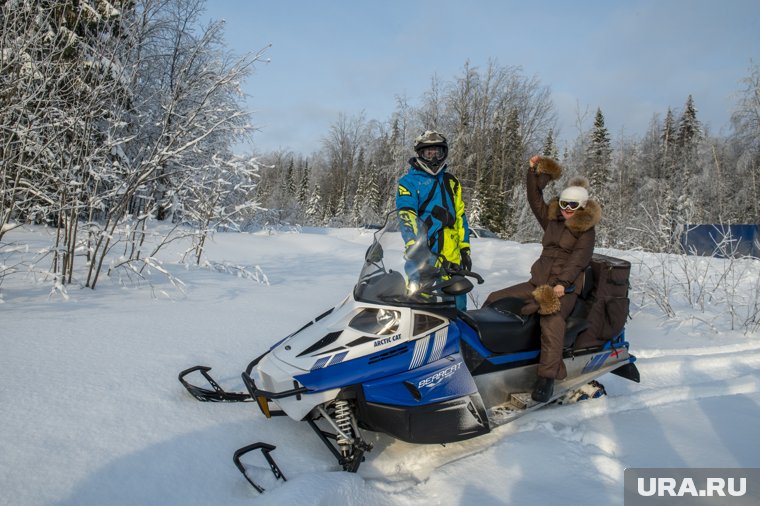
[{"x": 557, "y": 276}]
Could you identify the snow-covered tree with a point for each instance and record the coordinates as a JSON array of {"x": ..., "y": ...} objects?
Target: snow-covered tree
[
  {"x": 689, "y": 128},
  {"x": 112, "y": 112},
  {"x": 315, "y": 211},
  {"x": 598, "y": 158},
  {"x": 62, "y": 89},
  {"x": 303, "y": 187},
  {"x": 668, "y": 146},
  {"x": 549, "y": 148},
  {"x": 186, "y": 109},
  {"x": 219, "y": 198}
]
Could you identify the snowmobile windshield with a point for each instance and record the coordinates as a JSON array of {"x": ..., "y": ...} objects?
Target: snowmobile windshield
[{"x": 400, "y": 269}]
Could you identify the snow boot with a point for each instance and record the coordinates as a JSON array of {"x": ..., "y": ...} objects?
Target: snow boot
[{"x": 543, "y": 389}]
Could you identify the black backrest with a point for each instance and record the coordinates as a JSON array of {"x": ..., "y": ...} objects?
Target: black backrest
[{"x": 588, "y": 283}]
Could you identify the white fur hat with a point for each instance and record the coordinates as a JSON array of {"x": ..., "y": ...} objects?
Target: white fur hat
[{"x": 577, "y": 191}]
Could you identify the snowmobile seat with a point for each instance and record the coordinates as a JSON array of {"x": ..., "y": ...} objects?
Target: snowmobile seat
[{"x": 503, "y": 329}]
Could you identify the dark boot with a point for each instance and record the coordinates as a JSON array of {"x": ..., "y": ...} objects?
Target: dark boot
[{"x": 543, "y": 389}]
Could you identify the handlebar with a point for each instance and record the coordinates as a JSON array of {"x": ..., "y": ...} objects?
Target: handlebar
[
  {"x": 475, "y": 275},
  {"x": 455, "y": 269}
]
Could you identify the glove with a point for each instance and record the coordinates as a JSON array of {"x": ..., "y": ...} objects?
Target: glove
[{"x": 466, "y": 262}]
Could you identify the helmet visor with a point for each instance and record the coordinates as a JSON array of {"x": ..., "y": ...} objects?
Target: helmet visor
[{"x": 432, "y": 153}]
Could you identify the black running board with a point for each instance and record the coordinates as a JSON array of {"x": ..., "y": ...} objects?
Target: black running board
[{"x": 218, "y": 394}]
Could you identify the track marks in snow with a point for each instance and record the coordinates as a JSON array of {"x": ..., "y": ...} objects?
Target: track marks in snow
[
  {"x": 749, "y": 346},
  {"x": 667, "y": 379},
  {"x": 686, "y": 367}
]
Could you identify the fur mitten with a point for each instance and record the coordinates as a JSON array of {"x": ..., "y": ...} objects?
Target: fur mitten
[
  {"x": 548, "y": 302},
  {"x": 549, "y": 167}
]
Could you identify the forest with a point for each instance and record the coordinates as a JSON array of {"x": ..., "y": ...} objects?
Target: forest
[
  {"x": 119, "y": 115},
  {"x": 650, "y": 187}
]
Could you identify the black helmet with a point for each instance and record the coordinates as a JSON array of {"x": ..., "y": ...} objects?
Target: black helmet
[{"x": 431, "y": 139}]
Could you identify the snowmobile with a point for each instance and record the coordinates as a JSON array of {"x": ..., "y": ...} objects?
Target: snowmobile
[{"x": 397, "y": 357}]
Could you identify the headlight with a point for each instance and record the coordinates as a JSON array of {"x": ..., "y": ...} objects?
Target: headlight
[{"x": 376, "y": 321}]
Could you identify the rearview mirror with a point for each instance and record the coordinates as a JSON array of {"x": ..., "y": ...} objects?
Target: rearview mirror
[{"x": 457, "y": 285}]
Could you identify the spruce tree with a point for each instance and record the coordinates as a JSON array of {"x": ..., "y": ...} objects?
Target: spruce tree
[
  {"x": 599, "y": 157},
  {"x": 687, "y": 140},
  {"x": 315, "y": 211},
  {"x": 668, "y": 179},
  {"x": 303, "y": 188},
  {"x": 357, "y": 211},
  {"x": 668, "y": 144},
  {"x": 374, "y": 200},
  {"x": 689, "y": 129},
  {"x": 550, "y": 149},
  {"x": 288, "y": 187},
  {"x": 513, "y": 173}
]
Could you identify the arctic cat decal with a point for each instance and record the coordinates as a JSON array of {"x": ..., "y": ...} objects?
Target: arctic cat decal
[
  {"x": 403, "y": 191},
  {"x": 387, "y": 340}
]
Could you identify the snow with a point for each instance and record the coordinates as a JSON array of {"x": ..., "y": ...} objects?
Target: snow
[{"x": 91, "y": 411}]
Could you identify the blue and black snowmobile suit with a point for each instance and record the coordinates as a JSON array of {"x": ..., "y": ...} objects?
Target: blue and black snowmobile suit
[{"x": 437, "y": 202}]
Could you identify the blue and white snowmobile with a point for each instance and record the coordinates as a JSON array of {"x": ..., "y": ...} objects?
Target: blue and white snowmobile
[{"x": 397, "y": 357}]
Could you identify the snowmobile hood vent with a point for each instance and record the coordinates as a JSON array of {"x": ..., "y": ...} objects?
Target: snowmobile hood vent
[
  {"x": 361, "y": 340},
  {"x": 400, "y": 350},
  {"x": 328, "y": 339}
]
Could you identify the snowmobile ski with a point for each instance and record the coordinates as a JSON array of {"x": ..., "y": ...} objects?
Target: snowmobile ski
[
  {"x": 218, "y": 394},
  {"x": 265, "y": 449}
]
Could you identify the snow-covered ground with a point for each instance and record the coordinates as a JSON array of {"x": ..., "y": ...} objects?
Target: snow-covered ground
[{"x": 91, "y": 412}]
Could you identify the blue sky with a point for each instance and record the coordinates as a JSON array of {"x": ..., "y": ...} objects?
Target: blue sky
[{"x": 632, "y": 59}]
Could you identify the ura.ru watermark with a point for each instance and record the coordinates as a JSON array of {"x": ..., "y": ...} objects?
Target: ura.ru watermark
[{"x": 691, "y": 487}]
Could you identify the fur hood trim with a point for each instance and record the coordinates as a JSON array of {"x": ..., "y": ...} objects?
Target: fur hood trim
[{"x": 582, "y": 220}]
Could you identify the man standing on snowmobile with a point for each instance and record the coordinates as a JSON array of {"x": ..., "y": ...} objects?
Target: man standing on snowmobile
[
  {"x": 429, "y": 193},
  {"x": 557, "y": 276}
]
